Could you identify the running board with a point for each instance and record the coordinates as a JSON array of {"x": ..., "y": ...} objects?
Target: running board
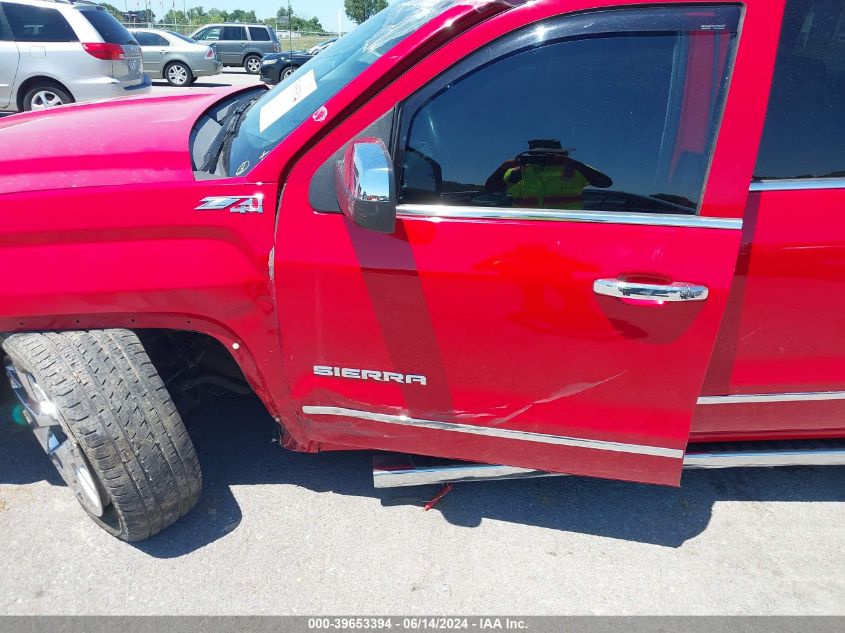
[{"x": 394, "y": 471}]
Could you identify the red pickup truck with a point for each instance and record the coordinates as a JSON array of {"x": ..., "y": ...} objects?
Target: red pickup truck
[{"x": 590, "y": 237}]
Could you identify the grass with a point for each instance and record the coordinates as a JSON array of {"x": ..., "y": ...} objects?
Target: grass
[{"x": 303, "y": 43}]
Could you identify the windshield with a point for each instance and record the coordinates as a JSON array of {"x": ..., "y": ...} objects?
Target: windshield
[{"x": 273, "y": 117}]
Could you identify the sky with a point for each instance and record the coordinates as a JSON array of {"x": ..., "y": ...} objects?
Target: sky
[{"x": 325, "y": 10}]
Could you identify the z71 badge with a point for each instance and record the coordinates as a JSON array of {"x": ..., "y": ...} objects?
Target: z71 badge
[{"x": 235, "y": 204}]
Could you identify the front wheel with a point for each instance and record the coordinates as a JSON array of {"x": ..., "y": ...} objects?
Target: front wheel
[
  {"x": 102, "y": 414},
  {"x": 252, "y": 64},
  {"x": 178, "y": 74}
]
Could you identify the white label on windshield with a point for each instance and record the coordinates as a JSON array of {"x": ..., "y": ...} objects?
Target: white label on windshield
[{"x": 279, "y": 105}]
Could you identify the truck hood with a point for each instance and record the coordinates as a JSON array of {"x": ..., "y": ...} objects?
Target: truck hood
[{"x": 105, "y": 143}]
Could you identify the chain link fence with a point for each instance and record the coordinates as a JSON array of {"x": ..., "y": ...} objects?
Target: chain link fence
[{"x": 288, "y": 40}]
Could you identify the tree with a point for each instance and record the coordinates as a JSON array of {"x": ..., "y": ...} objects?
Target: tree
[
  {"x": 289, "y": 20},
  {"x": 239, "y": 15},
  {"x": 145, "y": 16},
  {"x": 113, "y": 10},
  {"x": 174, "y": 17},
  {"x": 217, "y": 15},
  {"x": 197, "y": 15},
  {"x": 360, "y": 10}
]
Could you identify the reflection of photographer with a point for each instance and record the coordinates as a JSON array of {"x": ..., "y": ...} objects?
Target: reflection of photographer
[{"x": 546, "y": 177}]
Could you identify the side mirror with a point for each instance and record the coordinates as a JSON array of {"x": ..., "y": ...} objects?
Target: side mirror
[{"x": 365, "y": 186}]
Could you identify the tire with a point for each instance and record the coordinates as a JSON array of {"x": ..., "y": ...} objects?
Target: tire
[
  {"x": 286, "y": 72},
  {"x": 252, "y": 64},
  {"x": 45, "y": 95},
  {"x": 178, "y": 74},
  {"x": 114, "y": 408}
]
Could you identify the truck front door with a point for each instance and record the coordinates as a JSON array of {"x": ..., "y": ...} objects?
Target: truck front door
[{"x": 571, "y": 193}]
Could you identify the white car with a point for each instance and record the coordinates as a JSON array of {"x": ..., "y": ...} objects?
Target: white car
[{"x": 57, "y": 52}]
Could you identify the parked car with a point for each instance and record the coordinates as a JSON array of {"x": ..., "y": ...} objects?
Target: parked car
[
  {"x": 532, "y": 237},
  {"x": 278, "y": 66},
  {"x": 318, "y": 48},
  {"x": 240, "y": 44},
  {"x": 174, "y": 57},
  {"x": 52, "y": 53}
]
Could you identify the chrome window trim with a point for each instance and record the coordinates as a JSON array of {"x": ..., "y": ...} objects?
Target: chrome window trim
[
  {"x": 508, "y": 434},
  {"x": 797, "y": 184},
  {"x": 559, "y": 215},
  {"x": 809, "y": 396}
]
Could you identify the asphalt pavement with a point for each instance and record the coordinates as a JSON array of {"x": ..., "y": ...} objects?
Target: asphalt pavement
[
  {"x": 229, "y": 77},
  {"x": 277, "y": 532}
]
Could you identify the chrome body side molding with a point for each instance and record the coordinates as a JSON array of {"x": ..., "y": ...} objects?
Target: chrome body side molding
[
  {"x": 394, "y": 471},
  {"x": 798, "y": 184},
  {"x": 555, "y": 215},
  {"x": 773, "y": 397},
  {"x": 508, "y": 434}
]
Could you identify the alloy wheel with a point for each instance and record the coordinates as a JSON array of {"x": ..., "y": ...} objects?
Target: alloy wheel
[
  {"x": 44, "y": 419},
  {"x": 177, "y": 74},
  {"x": 44, "y": 99}
]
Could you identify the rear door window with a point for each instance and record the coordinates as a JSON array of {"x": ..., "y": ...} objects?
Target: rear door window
[
  {"x": 233, "y": 33},
  {"x": 145, "y": 39},
  {"x": 804, "y": 134},
  {"x": 5, "y": 35},
  {"x": 38, "y": 24},
  {"x": 259, "y": 34},
  {"x": 112, "y": 31}
]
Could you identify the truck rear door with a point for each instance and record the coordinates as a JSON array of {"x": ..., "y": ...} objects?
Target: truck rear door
[{"x": 571, "y": 192}]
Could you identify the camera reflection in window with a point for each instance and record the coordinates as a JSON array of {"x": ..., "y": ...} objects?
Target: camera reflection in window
[{"x": 546, "y": 177}]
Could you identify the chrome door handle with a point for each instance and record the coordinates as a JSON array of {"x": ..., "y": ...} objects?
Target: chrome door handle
[{"x": 678, "y": 291}]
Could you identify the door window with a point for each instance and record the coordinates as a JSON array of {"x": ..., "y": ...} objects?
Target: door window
[
  {"x": 5, "y": 35},
  {"x": 212, "y": 33},
  {"x": 233, "y": 33},
  {"x": 804, "y": 134},
  {"x": 145, "y": 39},
  {"x": 259, "y": 34},
  {"x": 621, "y": 119},
  {"x": 38, "y": 24}
]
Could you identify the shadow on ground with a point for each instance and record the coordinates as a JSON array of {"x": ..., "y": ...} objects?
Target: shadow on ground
[{"x": 235, "y": 439}]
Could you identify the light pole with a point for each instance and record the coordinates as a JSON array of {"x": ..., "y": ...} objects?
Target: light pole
[{"x": 290, "y": 29}]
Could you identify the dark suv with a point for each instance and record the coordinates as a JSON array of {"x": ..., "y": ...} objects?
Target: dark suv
[{"x": 240, "y": 44}]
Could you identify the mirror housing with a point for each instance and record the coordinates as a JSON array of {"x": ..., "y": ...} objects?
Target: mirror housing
[{"x": 365, "y": 185}]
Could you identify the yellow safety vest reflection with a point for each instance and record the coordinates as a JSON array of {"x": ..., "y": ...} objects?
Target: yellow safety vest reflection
[{"x": 546, "y": 187}]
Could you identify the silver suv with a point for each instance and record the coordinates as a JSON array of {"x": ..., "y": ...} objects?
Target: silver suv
[
  {"x": 240, "y": 44},
  {"x": 60, "y": 51}
]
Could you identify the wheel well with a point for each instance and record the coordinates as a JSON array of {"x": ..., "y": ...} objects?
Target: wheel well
[
  {"x": 34, "y": 81},
  {"x": 192, "y": 361},
  {"x": 251, "y": 54},
  {"x": 193, "y": 366}
]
